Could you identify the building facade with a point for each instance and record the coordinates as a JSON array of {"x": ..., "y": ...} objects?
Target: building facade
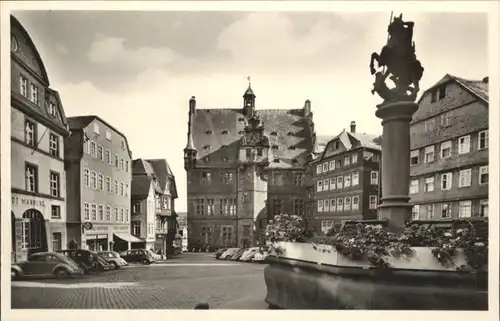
[
  {"x": 243, "y": 167},
  {"x": 449, "y": 156},
  {"x": 146, "y": 194},
  {"x": 99, "y": 176},
  {"x": 346, "y": 179},
  {"x": 183, "y": 229},
  {"x": 38, "y": 129},
  {"x": 153, "y": 202}
]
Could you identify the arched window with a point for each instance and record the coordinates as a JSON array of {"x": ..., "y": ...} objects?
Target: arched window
[{"x": 33, "y": 234}]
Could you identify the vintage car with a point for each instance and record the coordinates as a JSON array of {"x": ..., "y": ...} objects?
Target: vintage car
[
  {"x": 113, "y": 258},
  {"x": 87, "y": 260},
  {"x": 249, "y": 254},
  {"x": 236, "y": 256},
  {"x": 138, "y": 256},
  {"x": 45, "y": 264},
  {"x": 228, "y": 253},
  {"x": 260, "y": 257}
]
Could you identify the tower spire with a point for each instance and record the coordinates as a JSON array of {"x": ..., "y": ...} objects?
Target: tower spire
[
  {"x": 249, "y": 100},
  {"x": 190, "y": 151}
]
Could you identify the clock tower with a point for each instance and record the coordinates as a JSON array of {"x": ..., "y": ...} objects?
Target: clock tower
[
  {"x": 249, "y": 102},
  {"x": 252, "y": 186}
]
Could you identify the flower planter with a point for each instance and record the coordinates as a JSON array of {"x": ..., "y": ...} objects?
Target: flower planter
[{"x": 303, "y": 277}]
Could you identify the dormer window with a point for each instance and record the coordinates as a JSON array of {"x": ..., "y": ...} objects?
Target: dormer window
[
  {"x": 274, "y": 134},
  {"x": 224, "y": 146},
  {"x": 276, "y": 160},
  {"x": 275, "y": 147},
  {"x": 207, "y": 147},
  {"x": 289, "y": 133},
  {"x": 241, "y": 132},
  {"x": 209, "y": 132},
  {"x": 292, "y": 147},
  {"x": 224, "y": 132},
  {"x": 206, "y": 158},
  {"x": 52, "y": 109},
  {"x": 336, "y": 144},
  {"x": 295, "y": 161},
  {"x": 225, "y": 159}
]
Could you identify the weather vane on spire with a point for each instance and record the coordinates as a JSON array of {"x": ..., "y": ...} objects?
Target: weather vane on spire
[{"x": 249, "y": 81}]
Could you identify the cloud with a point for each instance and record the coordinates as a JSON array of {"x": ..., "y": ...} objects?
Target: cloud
[
  {"x": 270, "y": 37},
  {"x": 105, "y": 50}
]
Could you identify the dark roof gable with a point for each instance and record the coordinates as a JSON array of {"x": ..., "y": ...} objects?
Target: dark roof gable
[
  {"x": 287, "y": 130},
  {"x": 80, "y": 122},
  {"x": 478, "y": 88}
]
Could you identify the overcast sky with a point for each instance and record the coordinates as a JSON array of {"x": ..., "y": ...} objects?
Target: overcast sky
[{"x": 137, "y": 70}]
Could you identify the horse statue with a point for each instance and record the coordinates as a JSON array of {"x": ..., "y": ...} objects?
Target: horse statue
[{"x": 399, "y": 58}]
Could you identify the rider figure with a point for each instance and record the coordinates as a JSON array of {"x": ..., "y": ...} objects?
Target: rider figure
[{"x": 400, "y": 37}]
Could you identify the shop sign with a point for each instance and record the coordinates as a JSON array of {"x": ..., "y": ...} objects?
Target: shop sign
[
  {"x": 16, "y": 200},
  {"x": 121, "y": 228}
]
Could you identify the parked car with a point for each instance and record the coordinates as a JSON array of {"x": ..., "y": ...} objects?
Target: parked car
[
  {"x": 249, "y": 254},
  {"x": 228, "y": 252},
  {"x": 87, "y": 260},
  {"x": 46, "y": 264},
  {"x": 138, "y": 256},
  {"x": 113, "y": 258},
  {"x": 155, "y": 256},
  {"x": 260, "y": 257},
  {"x": 219, "y": 252},
  {"x": 237, "y": 254}
]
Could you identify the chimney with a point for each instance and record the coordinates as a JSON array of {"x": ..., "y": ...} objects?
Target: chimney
[
  {"x": 486, "y": 79},
  {"x": 307, "y": 107},
  {"x": 192, "y": 105},
  {"x": 353, "y": 127}
]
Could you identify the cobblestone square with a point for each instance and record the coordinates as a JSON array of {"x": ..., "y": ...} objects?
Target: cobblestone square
[{"x": 180, "y": 283}]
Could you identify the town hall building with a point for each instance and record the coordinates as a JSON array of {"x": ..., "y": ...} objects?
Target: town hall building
[{"x": 244, "y": 166}]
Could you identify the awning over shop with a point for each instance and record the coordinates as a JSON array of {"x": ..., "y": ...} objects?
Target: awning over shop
[{"x": 128, "y": 237}]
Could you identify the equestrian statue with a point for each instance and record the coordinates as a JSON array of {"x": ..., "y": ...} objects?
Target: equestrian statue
[{"x": 400, "y": 63}]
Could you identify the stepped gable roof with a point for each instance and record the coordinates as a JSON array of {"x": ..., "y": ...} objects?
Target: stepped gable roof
[
  {"x": 287, "y": 130},
  {"x": 80, "y": 122}
]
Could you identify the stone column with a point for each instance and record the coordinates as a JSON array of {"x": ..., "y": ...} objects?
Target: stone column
[{"x": 396, "y": 118}]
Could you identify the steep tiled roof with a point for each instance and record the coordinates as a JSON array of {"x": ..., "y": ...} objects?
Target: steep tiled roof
[
  {"x": 143, "y": 171},
  {"x": 140, "y": 186},
  {"x": 163, "y": 172},
  {"x": 478, "y": 88},
  {"x": 80, "y": 122},
  {"x": 352, "y": 141},
  {"x": 286, "y": 129}
]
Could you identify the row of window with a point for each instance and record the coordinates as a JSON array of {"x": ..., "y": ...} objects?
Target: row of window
[
  {"x": 94, "y": 180},
  {"x": 136, "y": 228},
  {"x": 339, "y": 182},
  {"x": 298, "y": 207},
  {"x": 227, "y": 206},
  {"x": 162, "y": 202},
  {"x": 31, "y": 179},
  {"x": 342, "y": 204},
  {"x": 108, "y": 135},
  {"x": 98, "y": 152},
  {"x": 277, "y": 178},
  {"x": 445, "y": 148},
  {"x": 429, "y": 211},
  {"x": 348, "y": 160},
  {"x": 94, "y": 212},
  {"x": 31, "y": 138},
  {"x": 446, "y": 180}
]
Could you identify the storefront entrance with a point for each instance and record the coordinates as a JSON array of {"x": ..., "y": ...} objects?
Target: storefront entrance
[
  {"x": 33, "y": 232},
  {"x": 98, "y": 242}
]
